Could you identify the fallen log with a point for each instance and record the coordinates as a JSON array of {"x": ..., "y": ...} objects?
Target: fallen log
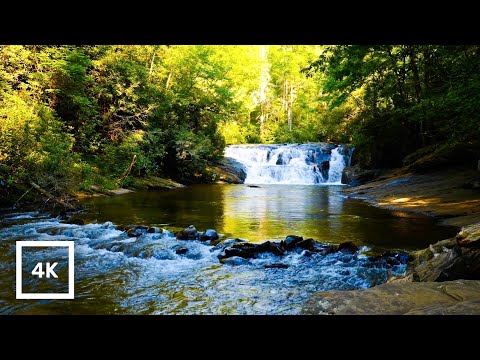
[{"x": 54, "y": 198}]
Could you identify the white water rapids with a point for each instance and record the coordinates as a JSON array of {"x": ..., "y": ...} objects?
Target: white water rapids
[{"x": 294, "y": 164}]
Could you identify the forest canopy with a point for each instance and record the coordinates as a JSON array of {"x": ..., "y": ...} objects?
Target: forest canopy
[{"x": 76, "y": 116}]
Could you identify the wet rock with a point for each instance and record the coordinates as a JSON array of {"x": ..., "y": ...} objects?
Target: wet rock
[
  {"x": 231, "y": 252},
  {"x": 450, "y": 297},
  {"x": 276, "y": 266},
  {"x": 210, "y": 234},
  {"x": 291, "y": 241},
  {"x": 233, "y": 241},
  {"x": 181, "y": 251},
  {"x": 270, "y": 246},
  {"x": 153, "y": 230},
  {"x": 307, "y": 244},
  {"x": 234, "y": 260},
  {"x": 76, "y": 221},
  {"x": 133, "y": 233},
  {"x": 189, "y": 233},
  {"x": 324, "y": 167},
  {"x": 347, "y": 247},
  {"x": 137, "y": 231},
  {"x": 279, "y": 160},
  {"x": 253, "y": 186}
]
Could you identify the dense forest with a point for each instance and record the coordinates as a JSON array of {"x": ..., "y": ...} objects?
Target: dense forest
[{"x": 76, "y": 116}]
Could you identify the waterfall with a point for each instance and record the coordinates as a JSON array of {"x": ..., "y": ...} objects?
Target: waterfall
[
  {"x": 337, "y": 164},
  {"x": 301, "y": 164}
]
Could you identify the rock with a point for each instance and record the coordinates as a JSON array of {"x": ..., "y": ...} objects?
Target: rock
[
  {"x": 276, "y": 266},
  {"x": 229, "y": 170},
  {"x": 324, "y": 167},
  {"x": 456, "y": 263},
  {"x": 279, "y": 160},
  {"x": 347, "y": 247},
  {"x": 234, "y": 260},
  {"x": 291, "y": 241},
  {"x": 133, "y": 233},
  {"x": 181, "y": 251},
  {"x": 249, "y": 250},
  {"x": 253, "y": 186},
  {"x": 354, "y": 175},
  {"x": 189, "y": 233},
  {"x": 210, "y": 234},
  {"x": 153, "y": 230},
  {"x": 137, "y": 231},
  {"x": 244, "y": 250},
  {"x": 469, "y": 236},
  {"x": 75, "y": 221},
  {"x": 233, "y": 241},
  {"x": 307, "y": 244},
  {"x": 270, "y": 246},
  {"x": 387, "y": 259},
  {"x": 450, "y": 297}
]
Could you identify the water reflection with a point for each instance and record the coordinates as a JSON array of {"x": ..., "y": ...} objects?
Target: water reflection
[{"x": 271, "y": 212}]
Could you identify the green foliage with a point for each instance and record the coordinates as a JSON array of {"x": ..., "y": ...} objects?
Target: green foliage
[
  {"x": 412, "y": 96},
  {"x": 77, "y": 116}
]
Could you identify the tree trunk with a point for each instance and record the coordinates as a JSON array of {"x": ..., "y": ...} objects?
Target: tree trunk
[
  {"x": 168, "y": 80},
  {"x": 50, "y": 196},
  {"x": 151, "y": 64},
  {"x": 290, "y": 105}
]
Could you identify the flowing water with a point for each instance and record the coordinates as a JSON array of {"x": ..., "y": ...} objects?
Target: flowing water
[
  {"x": 292, "y": 164},
  {"x": 116, "y": 274}
]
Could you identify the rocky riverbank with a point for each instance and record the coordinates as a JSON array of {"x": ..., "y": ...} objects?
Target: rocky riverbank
[
  {"x": 441, "y": 279},
  {"x": 451, "y": 194}
]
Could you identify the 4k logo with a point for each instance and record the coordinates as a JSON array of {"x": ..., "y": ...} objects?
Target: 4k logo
[
  {"x": 45, "y": 270},
  {"x": 37, "y": 270}
]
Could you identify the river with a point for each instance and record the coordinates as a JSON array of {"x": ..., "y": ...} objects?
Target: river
[
  {"x": 117, "y": 274},
  {"x": 111, "y": 282}
]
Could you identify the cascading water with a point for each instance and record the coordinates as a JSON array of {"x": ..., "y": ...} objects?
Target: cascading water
[
  {"x": 300, "y": 164},
  {"x": 337, "y": 164}
]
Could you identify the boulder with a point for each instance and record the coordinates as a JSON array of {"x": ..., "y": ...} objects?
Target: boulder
[
  {"x": 181, "y": 251},
  {"x": 347, "y": 247},
  {"x": 270, "y": 246},
  {"x": 75, "y": 221},
  {"x": 291, "y": 241},
  {"x": 354, "y": 175},
  {"x": 153, "y": 230},
  {"x": 209, "y": 234},
  {"x": 307, "y": 244},
  {"x": 229, "y": 170},
  {"x": 190, "y": 233}
]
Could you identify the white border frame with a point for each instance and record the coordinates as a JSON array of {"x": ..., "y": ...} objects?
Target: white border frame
[{"x": 71, "y": 293}]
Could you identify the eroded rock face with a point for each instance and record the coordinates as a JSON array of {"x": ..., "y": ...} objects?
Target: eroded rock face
[
  {"x": 469, "y": 236},
  {"x": 229, "y": 170},
  {"x": 451, "y": 297},
  {"x": 450, "y": 259}
]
